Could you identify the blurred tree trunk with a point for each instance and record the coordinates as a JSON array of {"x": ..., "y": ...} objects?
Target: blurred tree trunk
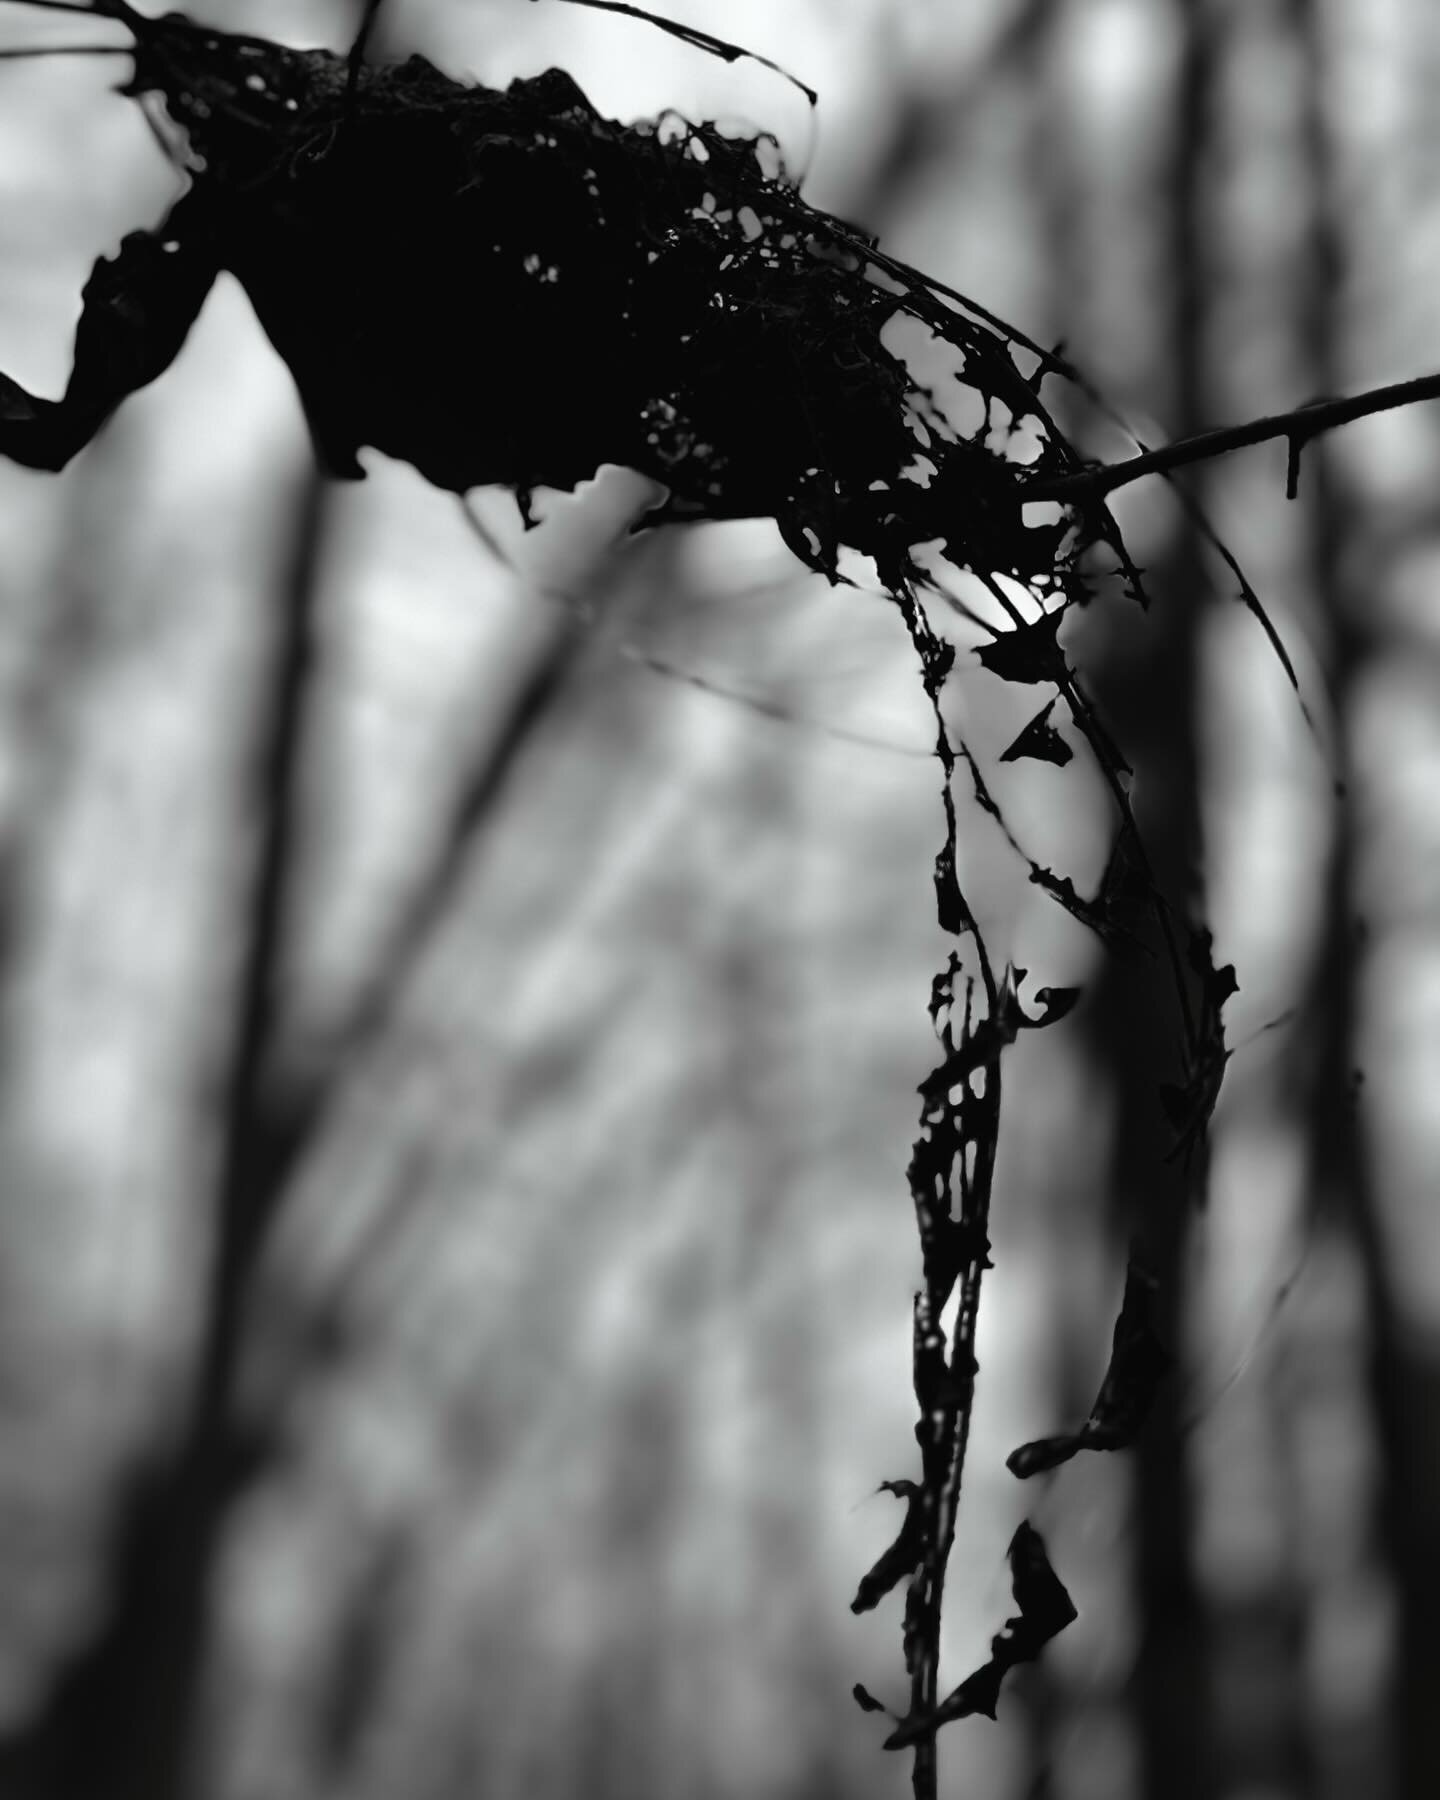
[
  {"x": 1148, "y": 692},
  {"x": 1403, "y": 1379},
  {"x": 122, "y": 1718},
  {"x": 1043, "y": 80}
]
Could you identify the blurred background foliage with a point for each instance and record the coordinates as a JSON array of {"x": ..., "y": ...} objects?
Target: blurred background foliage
[{"x": 456, "y": 1082}]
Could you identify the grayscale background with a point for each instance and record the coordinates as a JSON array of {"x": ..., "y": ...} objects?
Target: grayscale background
[{"x": 568, "y": 1015}]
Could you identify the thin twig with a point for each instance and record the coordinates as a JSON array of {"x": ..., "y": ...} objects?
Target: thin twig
[{"x": 1299, "y": 427}]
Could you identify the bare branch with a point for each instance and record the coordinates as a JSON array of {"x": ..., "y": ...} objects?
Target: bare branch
[{"x": 1298, "y": 427}]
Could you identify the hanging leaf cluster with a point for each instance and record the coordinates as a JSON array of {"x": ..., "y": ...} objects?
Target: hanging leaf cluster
[{"x": 505, "y": 288}]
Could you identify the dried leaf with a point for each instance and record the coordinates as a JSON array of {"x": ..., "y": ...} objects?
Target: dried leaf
[
  {"x": 1045, "y": 1610},
  {"x": 1028, "y": 654},
  {"x": 1139, "y": 1362},
  {"x": 1055, "y": 1002},
  {"x": 1040, "y": 742},
  {"x": 903, "y": 1556}
]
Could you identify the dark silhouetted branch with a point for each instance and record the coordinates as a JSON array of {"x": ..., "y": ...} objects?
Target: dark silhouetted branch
[{"x": 1298, "y": 427}]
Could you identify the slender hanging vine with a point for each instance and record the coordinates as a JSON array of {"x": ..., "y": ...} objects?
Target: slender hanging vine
[{"x": 505, "y": 288}]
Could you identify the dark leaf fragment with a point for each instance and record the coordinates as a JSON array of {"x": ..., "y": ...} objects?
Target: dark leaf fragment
[
  {"x": 1028, "y": 654},
  {"x": 1139, "y": 1362},
  {"x": 866, "y": 1701},
  {"x": 1045, "y": 1610},
  {"x": 1216, "y": 985},
  {"x": 902, "y": 1558},
  {"x": 1040, "y": 741},
  {"x": 1056, "y": 1002},
  {"x": 1189, "y": 1103}
]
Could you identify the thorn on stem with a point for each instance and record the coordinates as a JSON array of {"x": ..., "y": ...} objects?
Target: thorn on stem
[{"x": 1295, "y": 443}]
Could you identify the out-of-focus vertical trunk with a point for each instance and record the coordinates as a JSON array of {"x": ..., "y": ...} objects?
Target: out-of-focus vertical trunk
[
  {"x": 1044, "y": 73},
  {"x": 126, "y": 1717},
  {"x": 1148, "y": 694},
  {"x": 41, "y": 723},
  {"x": 58, "y": 665},
  {"x": 1403, "y": 1380},
  {"x": 123, "y": 1718}
]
